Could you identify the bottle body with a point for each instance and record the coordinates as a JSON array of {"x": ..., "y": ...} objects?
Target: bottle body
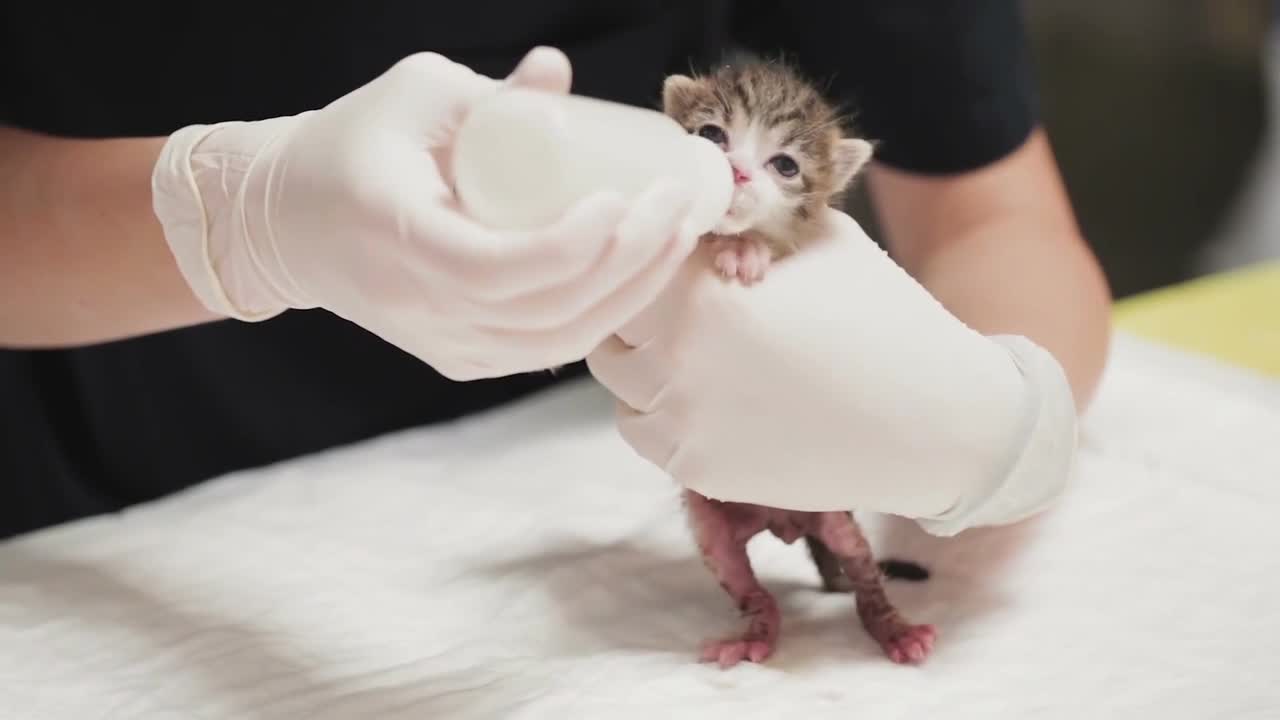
[{"x": 522, "y": 158}]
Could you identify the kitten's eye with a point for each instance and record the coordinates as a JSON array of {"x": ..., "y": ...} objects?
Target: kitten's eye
[
  {"x": 715, "y": 134},
  {"x": 785, "y": 165}
]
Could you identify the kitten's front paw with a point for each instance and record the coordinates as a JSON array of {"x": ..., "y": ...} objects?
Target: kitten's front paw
[{"x": 744, "y": 258}]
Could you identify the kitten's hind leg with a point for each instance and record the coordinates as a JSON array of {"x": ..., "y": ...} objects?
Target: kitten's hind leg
[
  {"x": 722, "y": 541},
  {"x": 901, "y": 640},
  {"x": 834, "y": 579},
  {"x": 829, "y": 570}
]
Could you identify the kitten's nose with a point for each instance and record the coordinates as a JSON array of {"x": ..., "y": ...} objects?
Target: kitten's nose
[{"x": 740, "y": 176}]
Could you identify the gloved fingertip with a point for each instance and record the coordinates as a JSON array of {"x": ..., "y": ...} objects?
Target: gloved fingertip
[
  {"x": 600, "y": 211},
  {"x": 547, "y": 54},
  {"x": 611, "y": 347},
  {"x": 543, "y": 68}
]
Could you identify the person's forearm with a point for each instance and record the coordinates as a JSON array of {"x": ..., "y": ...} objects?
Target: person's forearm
[
  {"x": 82, "y": 257},
  {"x": 1000, "y": 249}
]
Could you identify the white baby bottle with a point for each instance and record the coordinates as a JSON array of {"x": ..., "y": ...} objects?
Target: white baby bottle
[{"x": 522, "y": 158}]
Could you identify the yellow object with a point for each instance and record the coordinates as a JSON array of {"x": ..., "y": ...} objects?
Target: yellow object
[{"x": 1232, "y": 316}]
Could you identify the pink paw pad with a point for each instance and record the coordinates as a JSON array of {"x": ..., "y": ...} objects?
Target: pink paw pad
[
  {"x": 745, "y": 259},
  {"x": 727, "y": 261},
  {"x": 909, "y": 643},
  {"x": 735, "y": 650}
]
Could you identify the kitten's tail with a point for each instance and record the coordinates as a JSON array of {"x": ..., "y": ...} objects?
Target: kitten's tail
[{"x": 903, "y": 570}]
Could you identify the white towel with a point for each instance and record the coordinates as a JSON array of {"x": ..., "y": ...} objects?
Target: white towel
[{"x": 525, "y": 565}]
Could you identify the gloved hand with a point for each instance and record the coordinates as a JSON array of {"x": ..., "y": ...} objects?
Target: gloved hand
[
  {"x": 840, "y": 383},
  {"x": 349, "y": 208}
]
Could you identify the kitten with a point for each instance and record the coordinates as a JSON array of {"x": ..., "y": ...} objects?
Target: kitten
[{"x": 790, "y": 158}]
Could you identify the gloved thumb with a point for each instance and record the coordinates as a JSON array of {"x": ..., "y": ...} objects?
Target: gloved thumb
[
  {"x": 695, "y": 282},
  {"x": 543, "y": 68}
]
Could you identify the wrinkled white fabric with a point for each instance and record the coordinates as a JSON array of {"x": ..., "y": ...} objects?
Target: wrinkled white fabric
[
  {"x": 349, "y": 208},
  {"x": 525, "y": 564},
  {"x": 840, "y": 383}
]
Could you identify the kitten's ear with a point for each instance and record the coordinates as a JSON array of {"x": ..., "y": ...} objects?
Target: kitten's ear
[
  {"x": 678, "y": 94},
  {"x": 851, "y": 156}
]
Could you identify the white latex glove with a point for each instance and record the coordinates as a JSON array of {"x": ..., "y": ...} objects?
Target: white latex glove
[
  {"x": 349, "y": 208},
  {"x": 840, "y": 383}
]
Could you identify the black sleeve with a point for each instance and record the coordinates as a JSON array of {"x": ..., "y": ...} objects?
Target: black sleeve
[{"x": 944, "y": 86}]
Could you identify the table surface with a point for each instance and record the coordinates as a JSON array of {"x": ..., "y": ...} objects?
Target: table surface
[
  {"x": 1233, "y": 316},
  {"x": 524, "y": 564}
]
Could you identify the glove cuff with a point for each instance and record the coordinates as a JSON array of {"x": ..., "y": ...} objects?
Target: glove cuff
[
  {"x": 1043, "y": 458},
  {"x": 197, "y": 189}
]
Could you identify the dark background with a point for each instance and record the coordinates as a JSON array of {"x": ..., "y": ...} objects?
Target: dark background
[{"x": 1156, "y": 110}]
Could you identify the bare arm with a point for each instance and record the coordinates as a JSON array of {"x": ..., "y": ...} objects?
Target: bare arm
[
  {"x": 1000, "y": 248},
  {"x": 82, "y": 257}
]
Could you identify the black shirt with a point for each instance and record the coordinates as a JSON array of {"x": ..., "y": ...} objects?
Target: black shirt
[{"x": 943, "y": 85}]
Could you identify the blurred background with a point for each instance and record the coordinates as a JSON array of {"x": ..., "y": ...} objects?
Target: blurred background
[{"x": 1160, "y": 112}]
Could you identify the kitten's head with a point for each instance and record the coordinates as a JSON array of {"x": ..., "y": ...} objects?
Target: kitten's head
[{"x": 785, "y": 142}]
